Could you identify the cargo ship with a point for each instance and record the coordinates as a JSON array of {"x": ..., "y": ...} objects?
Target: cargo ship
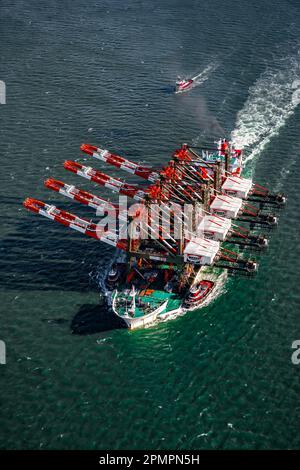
[{"x": 197, "y": 220}]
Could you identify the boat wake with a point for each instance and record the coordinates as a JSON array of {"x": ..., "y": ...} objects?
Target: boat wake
[
  {"x": 204, "y": 75},
  {"x": 201, "y": 77},
  {"x": 271, "y": 101}
]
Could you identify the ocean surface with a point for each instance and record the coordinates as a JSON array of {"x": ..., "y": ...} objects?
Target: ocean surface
[{"x": 102, "y": 72}]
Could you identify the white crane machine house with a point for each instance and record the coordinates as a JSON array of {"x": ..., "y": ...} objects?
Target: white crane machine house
[
  {"x": 237, "y": 186},
  {"x": 201, "y": 251}
]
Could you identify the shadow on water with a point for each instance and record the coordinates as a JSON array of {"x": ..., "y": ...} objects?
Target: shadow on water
[
  {"x": 95, "y": 319},
  {"x": 168, "y": 90},
  {"x": 38, "y": 255}
]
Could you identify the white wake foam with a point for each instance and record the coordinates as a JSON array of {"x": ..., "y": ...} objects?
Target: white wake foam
[
  {"x": 99, "y": 276},
  {"x": 271, "y": 101},
  {"x": 204, "y": 75}
]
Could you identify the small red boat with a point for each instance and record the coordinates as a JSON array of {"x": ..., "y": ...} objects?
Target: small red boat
[
  {"x": 183, "y": 85},
  {"x": 199, "y": 292}
]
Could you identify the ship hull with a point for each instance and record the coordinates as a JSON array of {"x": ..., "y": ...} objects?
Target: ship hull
[{"x": 141, "y": 322}]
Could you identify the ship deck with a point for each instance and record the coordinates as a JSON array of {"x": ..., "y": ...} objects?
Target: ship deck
[{"x": 147, "y": 301}]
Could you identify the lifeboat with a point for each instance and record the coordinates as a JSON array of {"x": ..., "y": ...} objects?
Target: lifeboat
[{"x": 183, "y": 85}]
